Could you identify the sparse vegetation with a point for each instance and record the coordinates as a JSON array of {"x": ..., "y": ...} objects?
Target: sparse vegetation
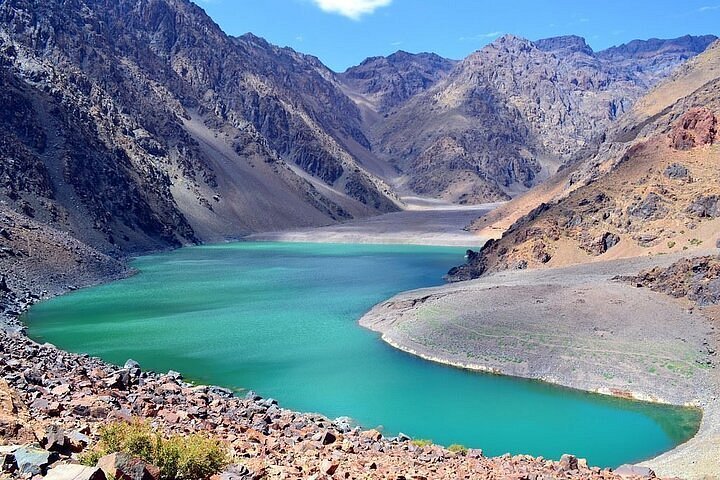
[
  {"x": 193, "y": 456},
  {"x": 671, "y": 244},
  {"x": 695, "y": 242},
  {"x": 457, "y": 448},
  {"x": 420, "y": 442}
]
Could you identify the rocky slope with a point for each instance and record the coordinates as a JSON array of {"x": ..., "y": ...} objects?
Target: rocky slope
[
  {"x": 137, "y": 125},
  {"x": 696, "y": 279},
  {"x": 508, "y": 115},
  {"x": 383, "y": 83},
  {"x": 651, "y": 189},
  {"x": 57, "y": 400}
]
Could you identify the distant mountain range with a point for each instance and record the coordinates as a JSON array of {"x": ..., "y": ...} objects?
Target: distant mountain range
[
  {"x": 651, "y": 188},
  {"x": 509, "y": 115},
  {"x": 136, "y": 125}
]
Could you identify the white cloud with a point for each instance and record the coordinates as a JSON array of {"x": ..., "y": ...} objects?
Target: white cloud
[
  {"x": 480, "y": 36},
  {"x": 353, "y": 9},
  {"x": 709, "y": 8}
]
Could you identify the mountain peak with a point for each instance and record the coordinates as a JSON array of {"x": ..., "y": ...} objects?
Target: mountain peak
[{"x": 564, "y": 43}]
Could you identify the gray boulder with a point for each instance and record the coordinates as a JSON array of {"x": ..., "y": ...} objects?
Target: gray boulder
[
  {"x": 75, "y": 472},
  {"x": 634, "y": 471},
  {"x": 32, "y": 460}
]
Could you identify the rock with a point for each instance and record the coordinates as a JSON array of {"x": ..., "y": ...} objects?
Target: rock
[
  {"x": 328, "y": 467},
  {"x": 47, "y": 407},
  {"x": 221, "y": 392},
  {"x": 131, "y": 364},
  {"x": 373, "y": 435},
  {"x": 75, "y": 472},
  {"x": 61, "y": 390},
  {"x": 676, "y": 171},
  {"x": 7, "y": 458},
  {"x": 33, "y": 461},
  {"x": 252, "y": 396},
  {"x": 120, "y": 466},
  {"x": 608, "y": 240},
  {"x": 650, "y": 208},
  {"x": 78, "y": 441},
  {"x": 234, "y": 472},
  {"x": 327, "y": 438},
  {"x": 55, "y": 439},
  {"x": 343, "y": 424},
  {"x": 696, "y": 128},
  {"x": 474, "y": 453},
  {"x": 705, "y": 207},
  {"x": 568, "y": 463},
  {"x": 627, "y": 471}
]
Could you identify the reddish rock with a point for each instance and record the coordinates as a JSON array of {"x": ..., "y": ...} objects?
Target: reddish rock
[{"x": 696, "y": 128}]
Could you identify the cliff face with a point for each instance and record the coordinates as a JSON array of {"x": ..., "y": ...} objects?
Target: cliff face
[
  {"x": 652, "y": 187},
  {"x": 510, "y": 114},
  {"x": 141, "y": 124}
]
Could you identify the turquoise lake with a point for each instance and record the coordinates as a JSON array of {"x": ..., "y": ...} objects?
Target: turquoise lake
[{"x": 281, "y": 319}]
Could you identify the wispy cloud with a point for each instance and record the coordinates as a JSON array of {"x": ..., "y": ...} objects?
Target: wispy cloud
[
  {"x": 480, "y": 36},
  {"x": 707, "y": 8},
  {"x": 353, "y": 9}
]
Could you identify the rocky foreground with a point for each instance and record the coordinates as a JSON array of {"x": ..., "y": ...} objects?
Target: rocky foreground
[{"x": 52, "y": 404}]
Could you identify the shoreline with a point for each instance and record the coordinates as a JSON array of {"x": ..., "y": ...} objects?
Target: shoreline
[
  {"x": 396, "y": 321},
  {"x": 84, "y": 279},
  {"x": 364, "y": 452}
]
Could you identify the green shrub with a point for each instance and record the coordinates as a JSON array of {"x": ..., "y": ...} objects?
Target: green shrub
[
  {"x": 419, "y": 442},
  {"x": 178, "y": 456},
  {"x": 457, "y": 448},
  {"x": 671, "y": 244}
]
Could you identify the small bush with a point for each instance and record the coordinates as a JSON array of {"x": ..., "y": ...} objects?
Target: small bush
[
  {"x": 457, "y": 448},
  {"x": 419, "y": 442},
  {"x": 671, "y": 244},
  {"x": 193, "y": 456}
]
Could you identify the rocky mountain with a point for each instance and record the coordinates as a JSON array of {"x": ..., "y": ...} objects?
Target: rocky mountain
[
  {"x": 509, "y": 115},
  {"x": 138, "y": 125},
  {"x": 653, "y": 187},
  {"x": 383, "y": 83}
]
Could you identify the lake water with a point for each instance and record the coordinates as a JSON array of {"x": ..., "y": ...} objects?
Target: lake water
[{"x": 281, "y": 319}]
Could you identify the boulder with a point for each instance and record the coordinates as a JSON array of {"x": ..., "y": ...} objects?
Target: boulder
[
  {"x": 7, "y": 458},
  {"x": 75, "y": 472},
  {"x": 650, "y": 208},
  {"x": 55, "y": 439},
  {"x": 61, "y": 390},
  {"x": 78, "y": 441},
  {"x": 705, "y": 207},
  {"x": 47, "y": 407},
  {"x": 32, "y": 460},
  {"x": 132, "y": 366},
  {"x": 634, "y": 471},
  {"x": 328, "y": 467},
  {"x": 568, "y": 463},
  {"x": 121, "y": 466},
  {"x": 676, "y": 171}
]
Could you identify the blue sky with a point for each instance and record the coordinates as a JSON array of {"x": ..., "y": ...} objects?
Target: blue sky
[{"x": 344, "y": 32}]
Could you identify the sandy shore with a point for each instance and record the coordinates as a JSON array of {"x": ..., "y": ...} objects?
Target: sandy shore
[
  {"x": 423, "y": 223},
  {"x": 576, "y": 327}
]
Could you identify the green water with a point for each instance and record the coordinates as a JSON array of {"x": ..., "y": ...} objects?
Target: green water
[{"x": 281, "y": 319}]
